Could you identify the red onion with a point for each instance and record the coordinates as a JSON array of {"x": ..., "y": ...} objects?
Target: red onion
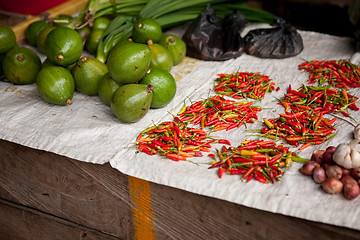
[
  {"x": 319, "y": 174},
  {"x": 332, "y": 185}
]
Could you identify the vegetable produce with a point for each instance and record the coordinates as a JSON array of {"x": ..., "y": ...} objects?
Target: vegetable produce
[
  {"x": 218, "y": 113},
  {"x": 106, "y": 88},
  {"x": 63, "y": 46},
  {"x": 41, "y": 37},
  {"x": 146, "y": 29},
  {"x": 348, "y": 154},
  {"x": 7, "y": 39},
  {"x": 164, "y": 86},
  {"x": 55, "y": 85},
  {"x": 87, "y": 72},
  {"x": 33, "y": 30},
  {"x": 175, "y": 46},
  {"x": 131, "y": 102},
  {"x": 160, "y": 57},
  {"x": 129, "y": 63},
  {"x": 334, "y": 178},
  {"x": 280, "y": 42},
  {"x": 332, "y": 185},
  {"x": 21, "y": 65}
]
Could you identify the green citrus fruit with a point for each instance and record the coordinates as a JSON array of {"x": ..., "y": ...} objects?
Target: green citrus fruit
[
  {"x": 164, "y": 86},
  {"x": 62, "y": 20},
  {"x": 146, "y": 29},
  {"x": 131, "y": 102},
  {"x": 106, "y": 88},
  {"x": 21, "y": 65},
  {"x": 55, "y": 85},
  {"x": 33, "y": 30},
  {"x": 160, "y": 57},
  {"x": 175, "y": 46},
  {"x": 7, "y": 39},
  {"x": 63, "y": 46},
  {"x": 128, "y": 63},
  {"x": 87, "y": 73},
  {"x": 41, "y": 37}
]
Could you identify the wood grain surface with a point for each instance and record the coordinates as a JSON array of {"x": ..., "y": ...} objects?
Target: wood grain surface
[{"x": 39, "y": 188}]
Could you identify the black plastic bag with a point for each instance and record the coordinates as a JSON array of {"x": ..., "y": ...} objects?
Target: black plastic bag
[
  {"x": 279, "y": 42},
  {"x": 210, "y": 37}
]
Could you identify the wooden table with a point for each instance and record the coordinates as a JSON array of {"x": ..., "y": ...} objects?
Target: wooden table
[{"x": 47, "y": 196}]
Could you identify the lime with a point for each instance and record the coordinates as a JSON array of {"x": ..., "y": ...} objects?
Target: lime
[
  {"x": 63, "y": 46},
  {"x": 160, "y": 57},
  {"x": 106, "y": 88},
  {"x": 62, "y": 20},
  {"x": 164, "y": 86},
  {"x": 175, "y": 46},
  {"x": 21, "y": 65},
  {"x": 131, "y": 102},
  {"x": 33, "y": 30},
  {"x": 7, "y": 39},
  {"x": 146, "y": 29},
  {"x": 55, "y": 85},
  {"x": 41, "y": 37},
  {"x": 87, "y": 73},
  {"x": 128, "y": 63}
]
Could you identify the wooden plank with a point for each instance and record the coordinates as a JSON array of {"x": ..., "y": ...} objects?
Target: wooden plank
[
  {"x": 69, "y": 7},
  {"x": 18, "y": 222},
  {"x": 95, "y": 196},
  {"x": 101, "y": 198}
]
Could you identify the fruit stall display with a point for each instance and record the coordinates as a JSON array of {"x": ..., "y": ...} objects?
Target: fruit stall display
[{"x": 123, "y": 56}]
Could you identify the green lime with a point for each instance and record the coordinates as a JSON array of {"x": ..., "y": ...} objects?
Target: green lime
[
  {"x": 106, "y": 88},
  {"x": 41, "y": 37},
  {"x": 131, "y": 102},
  {"x": 128, "y": 63},
  {"x": 33, "y": 30},
  {"x": 63, "y": 46},
  {"x": 146, "y": 29},
  {"x": 164, "y": 86},
  {"x": 101, "y": 23},
  {"x": 55, "y": 85},
  {"x": 21, "y": 65},
  {"x": 87, "y": 73},
  {"x": 160, "y": 57},
  {"x": 175, "y": 46},
  {"x": 93, "y": 40},
  {"x": 62, "y": 20},
  {"x": 7, "y": 39}
]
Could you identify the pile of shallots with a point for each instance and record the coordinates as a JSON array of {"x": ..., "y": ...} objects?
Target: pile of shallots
[{"x": 333, "y": 177}]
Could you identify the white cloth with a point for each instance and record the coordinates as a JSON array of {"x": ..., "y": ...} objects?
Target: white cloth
[{"x": 88, "y": 131}]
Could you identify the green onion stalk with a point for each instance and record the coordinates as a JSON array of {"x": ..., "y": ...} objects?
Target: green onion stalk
[{"x": 168, "y": 13}]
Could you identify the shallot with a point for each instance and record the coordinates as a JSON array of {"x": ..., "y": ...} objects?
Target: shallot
[
  {"x": 332, "y": 185},
  {"x": 319, "y": 174}
]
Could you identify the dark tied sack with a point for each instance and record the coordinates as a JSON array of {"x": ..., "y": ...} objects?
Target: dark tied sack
[
  {"x": 210, "y": 37},
  {"x": 279, "y": 42}
]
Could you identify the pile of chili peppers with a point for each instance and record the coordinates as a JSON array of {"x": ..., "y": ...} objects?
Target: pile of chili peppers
[
  {"x": 217, "y": 113},
  {"x": 262, "y": 160},
  {"x": 243, "y": 85},
  {"x": 175, "y": 140},
  {"x": 339, "y": 73},
  {"x": 304, "y": 121}
]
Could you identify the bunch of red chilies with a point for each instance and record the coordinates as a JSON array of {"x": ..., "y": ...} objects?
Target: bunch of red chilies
[
  {"x": 219, "y": 114},
  {"x": 175, "y": 140},
  {"x": 262, "y": 160},
  {"x": 304, "y": 121},
  {"x": 243, "y": 85},
  {"x": 339, "y": 73}
]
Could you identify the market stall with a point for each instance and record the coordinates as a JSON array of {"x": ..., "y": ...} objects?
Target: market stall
[{"x": 76, "y": 170}]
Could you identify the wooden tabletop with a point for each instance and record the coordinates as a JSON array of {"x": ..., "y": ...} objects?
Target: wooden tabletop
[{"x": 47, "y": 196}]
